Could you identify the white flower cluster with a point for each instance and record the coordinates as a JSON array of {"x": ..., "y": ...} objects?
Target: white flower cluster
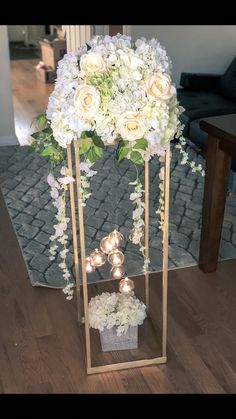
[
  {"x": 137, "y": 232},
  {"x": 138, "y": 222},
  {"x": 115, "y": 309},
  {"x": 185, "y": 158},
  {"x": 110, "y": 90},
  {"x": 117, "y": 89},
  {"x": 60, "y": 238},
  {"x": 85, "y": 167},
  {"x": 161, "y": 207}
]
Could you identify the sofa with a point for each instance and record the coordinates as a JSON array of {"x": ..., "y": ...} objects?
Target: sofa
[{"x": 204, "y": 95}]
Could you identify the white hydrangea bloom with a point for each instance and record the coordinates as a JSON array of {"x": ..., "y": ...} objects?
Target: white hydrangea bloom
[
  {"x": 115, "y": 309},
  {"x": 127, "y": 67}
]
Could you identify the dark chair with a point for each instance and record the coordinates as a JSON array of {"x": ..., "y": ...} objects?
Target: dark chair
[{"x": 205, "y": 95}]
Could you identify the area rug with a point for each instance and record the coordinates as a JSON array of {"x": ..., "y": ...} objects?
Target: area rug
[{"x": 26, "y": 193}]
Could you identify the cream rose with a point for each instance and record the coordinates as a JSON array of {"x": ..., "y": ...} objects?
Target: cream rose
[
  {"x": 158, "y": 86},
  {"x": 130, "y": 126},
  {"x": 93, "y": 62},
  {"x": 86, "y": 101}
]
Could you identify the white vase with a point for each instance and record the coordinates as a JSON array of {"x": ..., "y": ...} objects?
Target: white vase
[{"x": 111, "y": 342}]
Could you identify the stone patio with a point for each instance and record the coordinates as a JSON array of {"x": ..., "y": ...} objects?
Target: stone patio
[{"x": 23, "y": 183}]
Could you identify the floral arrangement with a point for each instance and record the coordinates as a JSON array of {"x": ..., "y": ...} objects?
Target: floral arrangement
[
  {"x": 112, "y": 91},
  {"x": 116, "y": 309}
]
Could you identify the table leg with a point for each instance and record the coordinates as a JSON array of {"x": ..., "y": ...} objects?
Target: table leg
[{"x": 215, "y": 191}]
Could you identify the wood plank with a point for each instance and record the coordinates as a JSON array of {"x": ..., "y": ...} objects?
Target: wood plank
[
  {"x": 7, "y": 375},
  {"x": 30, "y": 96},
  {"x": 55, "y": 364},
  {"x": 223, "y": 126},
  {"x": 217, "y": 364},
  {"x": 157, "y": 379},
  {"x": 215, "y": 191},
  {"x": 34, "y": 309},
  {"x": 68, "y": 332},
  {"x": 42, "y": 388}
]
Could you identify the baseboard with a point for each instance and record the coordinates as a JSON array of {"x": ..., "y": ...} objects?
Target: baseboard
[{"x": 9, "y": 140}]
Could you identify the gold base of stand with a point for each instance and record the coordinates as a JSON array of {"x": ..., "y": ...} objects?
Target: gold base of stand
[
  {"x": 85, "y": 319},
  {"x": 127, "y": 365}
]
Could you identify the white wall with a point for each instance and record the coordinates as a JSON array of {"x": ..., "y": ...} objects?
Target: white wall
[
  {"x": 15, "y": 33},
  {"x": 7, "y": 126},
  {"x": 100, "y": 29},
  {"x": 193, "y": 48},
  {"x": 28, "y": 33},
  {"x": 35, "y": 32}
]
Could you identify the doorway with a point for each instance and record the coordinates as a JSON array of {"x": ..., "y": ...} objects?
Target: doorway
[
  {"x": 30, "y": 93},
  {"x": 24, "y": 41}
]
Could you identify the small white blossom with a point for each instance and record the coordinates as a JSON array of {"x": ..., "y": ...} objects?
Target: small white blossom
[
  {"x": 137, "y": 213},
  {"x": 66, "y": 180},
  {"x": 116, "y": 309},
  {"x": 135, "y": 195}
]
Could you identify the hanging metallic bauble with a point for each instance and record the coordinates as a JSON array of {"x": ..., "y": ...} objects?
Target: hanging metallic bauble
[
  {"x": 97, "y": 258},
  {"x": 107, "y": 245},
  {"x": 89, "y": 267},
  {"x": 117, "y": 272},
  {"x": 116, "y": 258},
  {"x": 117, "y": 238},
  {"x": 126, "y": 285}
]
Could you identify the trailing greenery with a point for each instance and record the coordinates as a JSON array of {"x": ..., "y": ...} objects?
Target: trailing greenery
[
  {"x": 135, "y": 152},
  {"x": 91, "y": 146},
  {"x": 44, "y": 143}
]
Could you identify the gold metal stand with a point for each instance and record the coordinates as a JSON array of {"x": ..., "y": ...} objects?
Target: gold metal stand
[
  {"x": 146, "y": 229},
  {"x": 74, "y": 233},
  {"x": 130, "y": 364},
  {"x": 165, "y": 251},
  {"x": 83, "y": 255}
]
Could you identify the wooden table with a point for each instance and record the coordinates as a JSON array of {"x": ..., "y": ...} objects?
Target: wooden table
[{"x": 221, "y": 148}]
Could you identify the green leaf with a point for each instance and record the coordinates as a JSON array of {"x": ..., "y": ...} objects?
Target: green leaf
[
  {"x": 136, "y": 157},
  {"x": 41, "y": 135},
  {"x": 41, "y": 119},
  {"x": 47, "y": 152},
  {"x": 47, "y": 130},
  {"x": 98, "y": 142},
  {"x": 98, "y": 151},
  {"x": 85, "y": 145},
  {"x": 122, "y": 150},
  {"x": 141, "y": 144},
  {"x": 122, "y": 153},
  {"x": 92, "y": 156},
  {"x": 37, "y": 135},
  {"x": 87, "y": 134}
]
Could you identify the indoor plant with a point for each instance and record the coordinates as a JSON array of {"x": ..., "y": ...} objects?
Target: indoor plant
[{"x": 117, "y": 317}]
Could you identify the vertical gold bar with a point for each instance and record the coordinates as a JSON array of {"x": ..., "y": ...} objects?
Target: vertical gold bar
[
  {"x": 74, "y": 233},
  {"x": 146, "y": 175},
  {"x": 83, "y": 256},
  {"x": 165, "y": 250}
]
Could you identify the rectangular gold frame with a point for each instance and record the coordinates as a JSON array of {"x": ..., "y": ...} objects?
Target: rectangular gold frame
[{"x": 130, "y": 364}]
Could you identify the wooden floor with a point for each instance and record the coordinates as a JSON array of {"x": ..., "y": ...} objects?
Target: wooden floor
[
  {"x": 41, "y": 348},
  {"x": 30, "y": 96}
]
